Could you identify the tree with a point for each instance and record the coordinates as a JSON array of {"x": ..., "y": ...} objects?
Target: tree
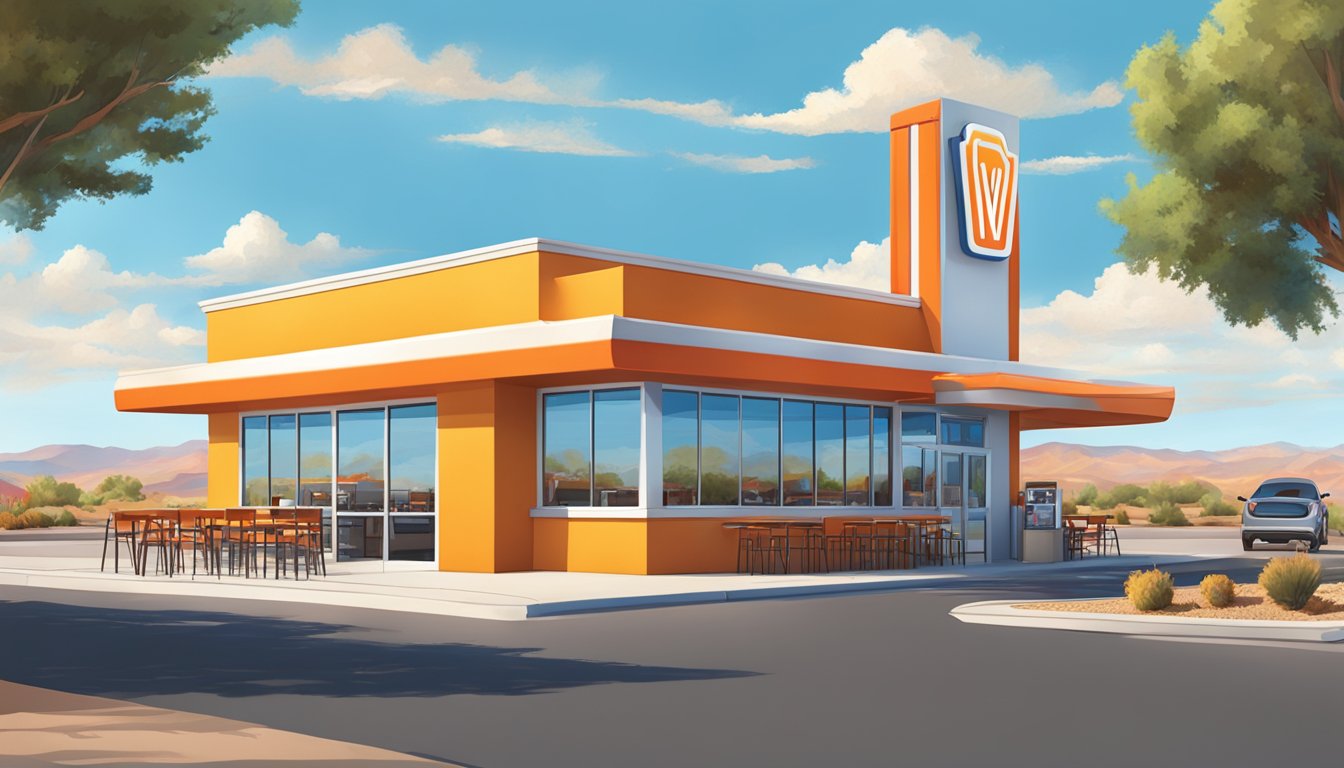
[
  {"x": 45, "y": 491},
  {"x": 116, "y": 488},
  {"x": 92, "y": 93},
  {"x": 1247, "y": 125}
]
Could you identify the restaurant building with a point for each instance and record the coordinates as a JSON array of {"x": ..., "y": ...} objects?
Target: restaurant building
[{"x": 551, "y": 406}]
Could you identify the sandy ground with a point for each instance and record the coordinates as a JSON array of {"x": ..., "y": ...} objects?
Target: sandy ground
[
  {"x": 1250, "y": 603},
  {"x": 41, "y": 727}
]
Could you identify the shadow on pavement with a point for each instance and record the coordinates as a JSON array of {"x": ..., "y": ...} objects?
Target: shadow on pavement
[{"x": 128, "y": 653}]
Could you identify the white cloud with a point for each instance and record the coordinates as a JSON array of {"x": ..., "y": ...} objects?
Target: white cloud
[
  {"x": 256, "y": 249},
  {"x": 739, "y": 164},
  {"x": 1064, "y": 165},
  {"x": 378, "y": 61},
  {"x": 901, "y": 69},
  {"x": 1137, "y": 326},
  {"x": 868, "y": 266},
  {"x": 16, "y": 250},
  {"x": 905, "y": 68},
  {"x": 572, "y": 138}
]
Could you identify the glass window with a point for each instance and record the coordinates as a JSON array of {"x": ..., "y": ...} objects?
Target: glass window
[
  {"x": 857, "y": 456},
  {"x": 951, "y": 480},
  {"x": 411, "y": 537},
  {"x": 412, "y": 433},
  {"x": 881, "y": 457},
  {"x": 567, "y": 477},
  {"x": 919, "y": 476},
  {"x": 681, "y": 446},
  {"x": 976, "y": 474},
  {"x": 930, "y": 477},
  {"x": 284, "y": 459},
  {"x": 616, "y": 438},
  {"x": 796, "y": 459},
  {"x": 760, "y": 451},
  {"x": 314, "y": 460},
  {"x": 830, "y": 453},
  {"x": 919, "y": 425},
  {"x": 720, "y": 468},
  {"x": 969, "y": 432},
  {"x": 256, "y": 462},
  {"x": 359, "y": 461}
]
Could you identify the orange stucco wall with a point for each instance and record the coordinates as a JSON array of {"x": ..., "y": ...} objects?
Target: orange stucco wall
[{"x": 222, "y": 461}]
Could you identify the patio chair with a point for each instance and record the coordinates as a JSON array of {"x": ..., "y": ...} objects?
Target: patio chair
[
  {"x": 123, "y": 527},
  {"x": 240, "y": 537}
]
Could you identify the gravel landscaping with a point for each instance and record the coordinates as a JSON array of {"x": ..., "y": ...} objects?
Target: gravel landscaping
[{"x": 1250, "y": 603}]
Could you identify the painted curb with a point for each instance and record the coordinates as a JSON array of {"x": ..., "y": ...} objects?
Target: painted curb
[{"x": 1002, "y": 613}]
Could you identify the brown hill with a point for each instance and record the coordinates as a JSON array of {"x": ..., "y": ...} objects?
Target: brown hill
[
  {"x": 1235, "y": 470},
  {"x": 87, "y": 465}
]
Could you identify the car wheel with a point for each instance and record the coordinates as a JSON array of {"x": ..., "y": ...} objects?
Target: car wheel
[
  {"x": 1315, "y": 545},
  {"x": 1248, "y": 544},
  {"x": 1325, "y": 534}
]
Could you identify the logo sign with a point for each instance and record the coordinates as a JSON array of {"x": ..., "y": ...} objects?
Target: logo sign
[{"x": 988, "y": 192}]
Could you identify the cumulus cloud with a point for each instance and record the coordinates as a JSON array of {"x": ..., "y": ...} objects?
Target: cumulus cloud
[
  {"x": 16, "y": 250},
  {"x": 1138, "y": 326},
  {"x": 739, "y": 164},
  {"x": 256, "y": 249},
  {"x": 571, "y": 138},
  {"x": 378, "y": 61},
  {"x": 1065, "y": 165},
  {"x": 868, "y": 266},
  {"x": 900, "y": 69}
]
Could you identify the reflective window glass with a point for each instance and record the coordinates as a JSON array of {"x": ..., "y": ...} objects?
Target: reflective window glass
[
  {"x": 760, "y": 451},
  {"x": 616, "y": 437},
  {"x": 412, "y": 433},
  {"x": 830, "y": 453},
  {"x": 796, "y": 459},
  {"x": 681, "y": 448},
  {"x": 857, "y": 456},
  {"x": 969, "y": 432},
  {"x": 567, "y": 478},
  {"x": 976, "y": 481},
  {"x": 314, "y": 460},
  {"x": 284, "y": 459},
  {"x": 930, "y": 477},
  {"x": 720, "y": 468},
  {"x": 918, "y": 477},
  {"x": 951, "y": 480},
  {"x": 881, "y": 457},
  {"x": 256, "y": 463},
  {"x": 359, "y": 461},
  {"x": 411, "y": 537},
  {"x": 919, "y": 425}
]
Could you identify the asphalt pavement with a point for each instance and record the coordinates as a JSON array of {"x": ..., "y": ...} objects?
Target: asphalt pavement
[{"x": 873, "y": 679}]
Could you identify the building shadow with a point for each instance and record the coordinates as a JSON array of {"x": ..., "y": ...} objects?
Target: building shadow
[{"x": 126, "y": 653}]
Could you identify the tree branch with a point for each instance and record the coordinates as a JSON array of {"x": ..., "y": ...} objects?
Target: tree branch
[
  {"x": 22, "y": 153},
  {"x": 1329, "y": 72},
  {"x": 23, "y": 118},
  {"x": 128, "y": 92}
]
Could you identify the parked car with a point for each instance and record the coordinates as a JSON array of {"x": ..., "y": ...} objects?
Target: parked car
[{"x": 1285, "y": 509}]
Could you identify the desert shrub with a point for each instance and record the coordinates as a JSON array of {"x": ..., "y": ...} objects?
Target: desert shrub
[
  {"x": 1217, "y": 590},
  {"x": 46, "y": 492},
  {"x": 1336, "y": 519},
  {"x": 1149, "y": 590},
  {"x": 1069, "y": 507},
  {"x": 65, "y": 518},
  {"x": 1087, "y": 496},
  {"x": 1121, "y": 516},
  {"x": 114, "y": 488},
  {"x": 8, "y": 521},
  {"x": 1291, "y": 581},
  {"x": 34, "y": 519},
  {"x": 1105, "y": 501},
  {"x": 1167, "y": 513},
  {"x": 1214, "y": 506},
  {"x": 1127, "y": 493}
]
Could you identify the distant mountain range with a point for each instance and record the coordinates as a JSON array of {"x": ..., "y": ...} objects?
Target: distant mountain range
[
  {"x": 177, "y": 470},
  {"x": 1234, "y": 471},
  {"x": 180, "y": 470}
]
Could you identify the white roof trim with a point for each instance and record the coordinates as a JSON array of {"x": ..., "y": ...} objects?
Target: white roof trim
[
  {"x": 531, "y": 245},
  {"x": 546, "y": 333}
]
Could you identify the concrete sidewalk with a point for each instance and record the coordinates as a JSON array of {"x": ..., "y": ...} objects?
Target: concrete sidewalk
[{"x": 72, "y": 562}]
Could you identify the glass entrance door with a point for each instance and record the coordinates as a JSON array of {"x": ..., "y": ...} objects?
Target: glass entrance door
[
  {"x": 952, "y": 479},
  {"x": 964, "y": 484}
]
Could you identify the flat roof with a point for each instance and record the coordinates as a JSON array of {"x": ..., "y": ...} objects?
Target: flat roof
[{"x": 535, "y": 244}]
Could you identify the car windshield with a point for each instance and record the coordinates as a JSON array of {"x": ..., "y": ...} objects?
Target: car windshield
[
  {"x": 1293, "y": 489},
  {"x": 1280, "y": 509}
]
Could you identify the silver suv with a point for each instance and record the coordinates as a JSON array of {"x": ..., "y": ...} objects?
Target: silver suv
[{"x": 1285, "y": 509}]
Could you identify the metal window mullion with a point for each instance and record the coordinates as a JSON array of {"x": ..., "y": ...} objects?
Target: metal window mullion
[{"x": 387, "y": 483}]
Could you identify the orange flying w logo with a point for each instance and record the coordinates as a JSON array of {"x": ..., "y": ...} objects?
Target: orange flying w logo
[{"x": 988, "y": 192}]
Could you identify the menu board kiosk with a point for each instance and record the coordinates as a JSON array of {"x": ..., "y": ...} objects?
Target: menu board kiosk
[{"x": 1042, "y": 534}]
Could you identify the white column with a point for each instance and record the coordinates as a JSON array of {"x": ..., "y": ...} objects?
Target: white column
[{"x": 651, "y": 449}]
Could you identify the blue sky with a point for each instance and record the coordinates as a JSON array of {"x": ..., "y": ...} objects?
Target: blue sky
[{"x": 548, "y": 135}]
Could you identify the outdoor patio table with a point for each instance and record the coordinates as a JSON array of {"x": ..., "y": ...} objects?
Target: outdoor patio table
[{"x": 770, "y": 524}]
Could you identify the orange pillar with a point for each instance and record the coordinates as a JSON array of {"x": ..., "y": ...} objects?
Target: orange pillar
[
  {"x": 487, "y": 477},
  {"x": 222, "y": 461}
]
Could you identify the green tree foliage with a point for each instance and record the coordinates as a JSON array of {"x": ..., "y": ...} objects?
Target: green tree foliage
[
  {"x": 1247, "y": 124},
  {"x": 1214, "y": 506},
  {"x": 93, "y": 92},
  {"x": 1087, "y": 496},
  {"x": 44, "y": 491},
  {"x": 114, "y": 488}
]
